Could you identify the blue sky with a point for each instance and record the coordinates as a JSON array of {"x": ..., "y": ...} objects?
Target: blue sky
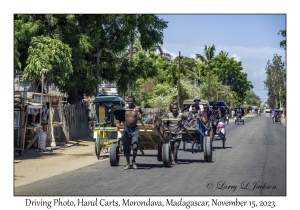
[{"x": 252, "y": 39}]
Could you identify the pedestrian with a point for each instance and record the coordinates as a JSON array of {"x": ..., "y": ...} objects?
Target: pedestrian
[
  {"x": 174, "y": 128},
  {"x": 131, "y": 131}
]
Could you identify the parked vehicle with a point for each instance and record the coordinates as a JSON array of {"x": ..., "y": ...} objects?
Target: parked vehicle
[{"x": 104, "y": 128}]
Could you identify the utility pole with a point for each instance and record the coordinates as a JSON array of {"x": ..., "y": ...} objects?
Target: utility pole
[
  {"x": 97, "y": 62},
  {"x": 208, "y": 88},
  {"x": 178, "y": 83},
  {"x": 131, "y": 57}
]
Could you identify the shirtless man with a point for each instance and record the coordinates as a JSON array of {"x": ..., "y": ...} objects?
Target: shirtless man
[{"x": 131, "y": 132}]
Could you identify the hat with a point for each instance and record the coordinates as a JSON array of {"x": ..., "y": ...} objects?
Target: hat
[{"x": 197, "y": 98}]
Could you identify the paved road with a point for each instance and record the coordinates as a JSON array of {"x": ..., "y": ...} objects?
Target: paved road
[{"x": 253, "y": 163}]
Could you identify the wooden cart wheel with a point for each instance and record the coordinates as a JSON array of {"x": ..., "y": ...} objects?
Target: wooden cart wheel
[
  {"x": 114, "y": 155},
  {"x": 166, "y": 155},
  {"x": 208, "y": 148},
  {"x": 98, "y": 147}
]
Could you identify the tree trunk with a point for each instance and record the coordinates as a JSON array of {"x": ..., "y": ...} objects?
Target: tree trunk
[{"x": 75, "y": 95}]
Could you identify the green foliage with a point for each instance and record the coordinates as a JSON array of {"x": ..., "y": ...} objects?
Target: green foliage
[
  {"x": 283, "y": 98},
  {"x": 130, "y": 71},
  {"x": 253, "y": 99},
  {"x": 51, "y": 54},
  {"x": 232, "y": 99},
  {"x": 81, "y": 51},
  {"x": 275, "y": 82},
  {"x": 164, "y": 96},
  {"x": 187, "y": 65},
  {"x": 283, "y": 42},
  {"x": 77, "y": 70},
  {"x": 230, "y": 73}
]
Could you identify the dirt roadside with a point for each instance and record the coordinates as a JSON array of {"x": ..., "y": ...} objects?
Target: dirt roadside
[{"x": 34, "y": 165}]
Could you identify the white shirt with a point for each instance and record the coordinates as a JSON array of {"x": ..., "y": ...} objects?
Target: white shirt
[{"x": 201, "y": 108}]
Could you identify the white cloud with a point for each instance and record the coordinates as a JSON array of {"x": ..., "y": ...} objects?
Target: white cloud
[
  {"x": 265, "y": 53},
  {"x": 174, "y": 55},
  {"x": 193, "y": 56},
  {"x": 236, "y": 57},
  {"x": 259, "y": 73}
]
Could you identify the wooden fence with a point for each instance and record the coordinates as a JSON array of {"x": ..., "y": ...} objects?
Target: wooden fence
[
  {"x": 75, "y": 120},
  {"x": 150, "y": 111}
]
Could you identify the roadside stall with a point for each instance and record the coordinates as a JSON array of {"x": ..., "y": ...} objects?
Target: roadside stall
[
  {"x": 18, "y": 119},
  {"x": 33, "y": 130}
]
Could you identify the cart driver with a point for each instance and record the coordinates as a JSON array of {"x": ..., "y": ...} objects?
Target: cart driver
[
  {"x": 238, "y": 112},
  {"x": 214, "y": 114},
  {"x": 131, "y": 131},
  {"x": 175, "y": 130}
]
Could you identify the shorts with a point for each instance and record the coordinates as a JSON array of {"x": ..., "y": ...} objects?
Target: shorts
[
  {"x": 131, "y": 136},
  {"x": 175, "y": 143}
]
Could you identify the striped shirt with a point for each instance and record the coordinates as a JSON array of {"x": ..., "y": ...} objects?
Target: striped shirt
[{"x": 214, "y": 114}]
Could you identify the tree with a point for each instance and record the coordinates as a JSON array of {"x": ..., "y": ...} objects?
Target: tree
[
  {"x": 187, "y": 64},
  {"x": 275, "y": 82},
  {"x": 230, "y": 73},
  {"x": 95, "y": 42},
  {"x": 206, "y": 60},
  {"x": 283, "y": 42},
  {"x": 51, "y": 54},
  {"x": 253, "y": 99}
]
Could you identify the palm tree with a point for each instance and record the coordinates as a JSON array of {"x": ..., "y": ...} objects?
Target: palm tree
[
  {"x": 209, "y": 54},
  {"x": 195, "y": 73}
]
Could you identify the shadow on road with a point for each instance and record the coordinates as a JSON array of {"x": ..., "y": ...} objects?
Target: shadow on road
[
  {"x": 147, "y": 166},
  {"x": 188, "y": 161},
  {"x": 214, "y": 148}
]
